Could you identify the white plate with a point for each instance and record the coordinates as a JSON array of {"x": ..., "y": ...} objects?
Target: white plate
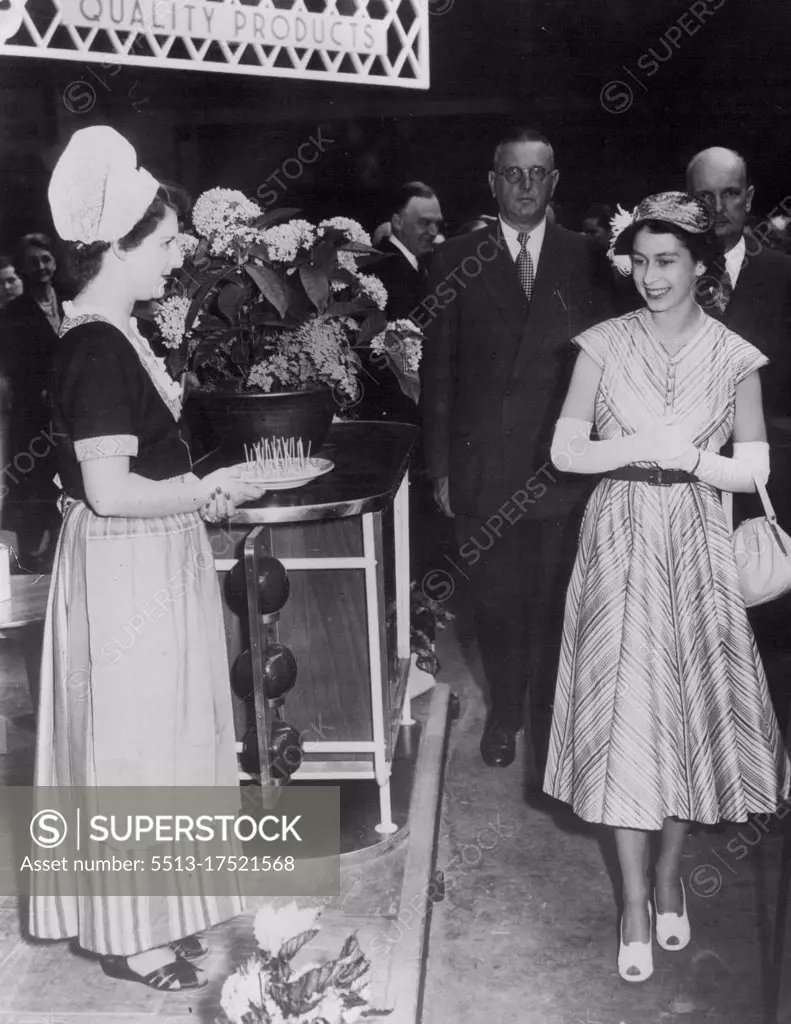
[{"x": 318, "y": 467}]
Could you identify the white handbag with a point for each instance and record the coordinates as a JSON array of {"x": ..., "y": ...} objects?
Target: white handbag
[{"x": 762, "y": 552}]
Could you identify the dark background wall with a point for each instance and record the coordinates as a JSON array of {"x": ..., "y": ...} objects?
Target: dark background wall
[{"x": 568, "y": 67}]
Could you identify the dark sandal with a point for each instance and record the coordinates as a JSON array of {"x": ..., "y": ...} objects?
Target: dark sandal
[
  {"x": 173, "y": 977},
  {"x": 189, "y": 948}
]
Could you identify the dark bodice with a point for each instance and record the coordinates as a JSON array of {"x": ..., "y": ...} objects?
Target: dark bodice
[{"x": 100, "y": 389}]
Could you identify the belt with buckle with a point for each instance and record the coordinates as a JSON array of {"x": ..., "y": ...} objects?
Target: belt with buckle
[{"x": 658, "y": 477}]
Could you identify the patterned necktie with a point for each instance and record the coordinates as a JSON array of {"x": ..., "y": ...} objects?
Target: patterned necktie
[{"x": 524, "y": 265}]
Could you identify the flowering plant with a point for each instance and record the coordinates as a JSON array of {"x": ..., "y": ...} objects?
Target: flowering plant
[
  {"x": 271, "y": 302},
  {"x": 266, "y": 989},
  {"x": 621, "y": 220}
]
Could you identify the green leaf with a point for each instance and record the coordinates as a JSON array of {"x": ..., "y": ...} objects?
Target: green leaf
[
  {"x": 361, "y": 247},
  {"x": 200, "y": 253},
  {"x": 324, "y": 256},
  {"x": 316, "y": 285},
  {"x": 351, "y": 308},
  {"x": 270, "y": 285},
  {"x": 200, "y": 297},
  {"x": 371, "y": 326},
  {"x": 268, "y": 220},
  {"x": 231, "y": 298},
  {"x": 369, "y": 262},
  {"x": 240, "y": 352},
  {"x": 344, "y": 276},
  {"x": 297, "y": 997},
  {"x": 291, "y": 947}
]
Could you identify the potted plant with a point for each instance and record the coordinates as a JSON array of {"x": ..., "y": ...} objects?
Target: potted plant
[
  {"x": 267, "y": 989},
  {"x": 269, "y": 317}
]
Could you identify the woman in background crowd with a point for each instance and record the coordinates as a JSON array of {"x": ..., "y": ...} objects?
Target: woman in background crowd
[
  {"x": 11, "y": 286},
  {"x": 662, "y": 713},
  {"x": 156, "y": 712},
  {"x": 29, "y": 326}
]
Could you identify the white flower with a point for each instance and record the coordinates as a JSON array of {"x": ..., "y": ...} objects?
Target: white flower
[
  {"x": 403, "y": 340},
  {"x": 241, "y": 991},
  {"x": 330, "y": 1009},
  {"x": 355, "y": 231},
  {"x": 285, "y": 240},
  {"x": 347, "y": 261},
  {"x": 223, "y": 215},
  {"x": 170, "y": 316},
  {"x": 374, "y": 289},
  {"x": 186, "y": 243},
  {"x": 620, "y": 221},
  {"x": 274, "y": 925},
  {"x": 221, "y": 208}
]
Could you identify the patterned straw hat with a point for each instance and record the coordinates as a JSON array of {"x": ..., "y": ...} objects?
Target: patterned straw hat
[{"x": 677, "y": 208}]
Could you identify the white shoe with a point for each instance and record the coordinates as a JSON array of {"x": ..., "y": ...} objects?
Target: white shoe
[
  {"x": 636, "y": 959},
  {"x": 672, "y": 930}
]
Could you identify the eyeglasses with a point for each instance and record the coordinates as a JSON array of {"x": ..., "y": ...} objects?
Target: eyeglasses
[{"x": 516, "y": 175}]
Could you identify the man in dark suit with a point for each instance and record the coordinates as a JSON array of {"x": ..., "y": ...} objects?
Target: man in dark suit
[
  {"x": 754, "y": 300},
  {"x": 415, "y": 218},
  {"x": 502, "y": 307}
]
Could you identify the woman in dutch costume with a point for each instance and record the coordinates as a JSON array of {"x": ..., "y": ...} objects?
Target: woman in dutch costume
[
  {"x": 135, "y": 688},
  {"x": 662, "y": 714}
]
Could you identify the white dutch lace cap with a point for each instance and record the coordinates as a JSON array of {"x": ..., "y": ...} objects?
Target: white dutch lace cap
[{"x": 97, "y": 193}]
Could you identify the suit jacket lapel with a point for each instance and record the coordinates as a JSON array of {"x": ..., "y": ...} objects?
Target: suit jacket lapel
[{"x": 550, "y": 267}]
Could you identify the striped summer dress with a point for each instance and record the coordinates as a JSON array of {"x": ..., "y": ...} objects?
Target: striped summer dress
[{"x": 662, "y": 707}]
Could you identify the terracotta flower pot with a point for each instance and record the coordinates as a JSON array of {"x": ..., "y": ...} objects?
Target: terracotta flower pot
[{"x": 239, "y": 418}]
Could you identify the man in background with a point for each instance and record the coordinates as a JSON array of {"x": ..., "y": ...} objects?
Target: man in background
[
  {"x": 502, "y": 306},
  {"x": 415, "y": 219},
  {"x": 753, "y": 298}
]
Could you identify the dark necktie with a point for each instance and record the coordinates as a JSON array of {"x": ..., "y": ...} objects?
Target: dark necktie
[{"x": 524, "y": 265}]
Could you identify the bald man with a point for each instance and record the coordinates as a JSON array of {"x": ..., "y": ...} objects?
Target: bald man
[{"x": 757, "y": 305}]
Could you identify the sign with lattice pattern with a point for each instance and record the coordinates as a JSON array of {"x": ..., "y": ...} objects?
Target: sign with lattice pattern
[{"x": 381, "y": 42}]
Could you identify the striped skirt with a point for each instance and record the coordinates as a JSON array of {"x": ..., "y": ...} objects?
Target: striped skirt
[
  {"x": 662, "y": 707},
  {"x": 135, "y": 692}
]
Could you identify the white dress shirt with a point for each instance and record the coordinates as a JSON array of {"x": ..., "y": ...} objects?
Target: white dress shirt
[
  {"x": 534, "y": 242},
  {"x": 409, "y": 255},
  {"x": 734, "y": 260}
]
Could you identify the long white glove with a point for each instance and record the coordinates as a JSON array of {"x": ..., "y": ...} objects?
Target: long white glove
[
  {"x": 572, "y": 451},
  {"x": 750, "y": 460}
]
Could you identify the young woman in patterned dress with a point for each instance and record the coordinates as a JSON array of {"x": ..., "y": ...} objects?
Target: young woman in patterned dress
[{"x": 662, "y": 714}]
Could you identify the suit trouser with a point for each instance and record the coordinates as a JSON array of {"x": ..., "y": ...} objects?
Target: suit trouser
[{"x": 518, "y": 587}]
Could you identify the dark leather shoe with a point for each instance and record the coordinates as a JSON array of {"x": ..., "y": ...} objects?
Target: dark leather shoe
[{"x": 498, "y": 745}]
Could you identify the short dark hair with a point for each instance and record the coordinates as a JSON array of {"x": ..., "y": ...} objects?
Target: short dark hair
[
  {"x": 521, "y": 134},
  {"x": 6, "y": 262},
  {"x": 34, "y": 240},
  {"x": 600, "y": 212},
  {"x": 704, "y": 247},
  {"x": 85, "y": 261},
  {"x": 411, "y": 190}
]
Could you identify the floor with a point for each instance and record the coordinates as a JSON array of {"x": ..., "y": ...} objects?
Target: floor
[
  {"x": 527, "y": 929},
  {"x": 381, "y": 880},
  {"x": 527, "y": 932}
]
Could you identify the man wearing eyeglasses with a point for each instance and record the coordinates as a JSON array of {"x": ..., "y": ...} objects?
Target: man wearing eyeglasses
[{"x": 502, "y": 307}]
